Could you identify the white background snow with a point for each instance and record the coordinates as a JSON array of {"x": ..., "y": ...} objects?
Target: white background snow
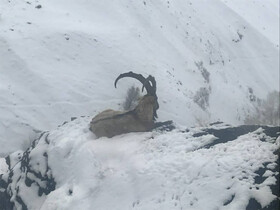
[{"x": 60, "y": 61}]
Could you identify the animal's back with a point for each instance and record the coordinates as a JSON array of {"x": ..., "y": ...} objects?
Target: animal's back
[
  {"x": 116, "y": 125},
  {"x": 108, "y": 113}
]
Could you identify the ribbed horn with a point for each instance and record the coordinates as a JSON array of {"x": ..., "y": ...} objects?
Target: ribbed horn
[{"x": 139, "y": 77}]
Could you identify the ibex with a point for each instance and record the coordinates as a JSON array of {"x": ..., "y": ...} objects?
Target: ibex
[{"x": 110, "y": 123}]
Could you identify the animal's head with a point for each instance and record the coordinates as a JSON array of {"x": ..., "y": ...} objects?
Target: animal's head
[{"x": 149, "y": 84}]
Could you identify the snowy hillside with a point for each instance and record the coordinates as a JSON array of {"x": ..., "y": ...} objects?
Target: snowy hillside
[
  {"x": 213, "y": 60},
  {"x": 221, "y": 167},
  {"x": 58, "y": 58}
]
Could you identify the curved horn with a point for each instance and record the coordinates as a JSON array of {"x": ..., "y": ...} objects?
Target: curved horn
[
  {"x": 139, "y": 77},
  {"x": 153, "y": 81},
  {"x": 154, "y": 86},
  {"x": 151, "y": 89}
]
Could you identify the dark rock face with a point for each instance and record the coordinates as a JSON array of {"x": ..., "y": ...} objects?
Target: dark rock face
[
  {"x": 30, "y": 178},
  {"x": 231, "y": 133},
  {"x": 30, "y": 173},
  {"x": 253, "y": 204},
  {"x": 5, "y": 203}
]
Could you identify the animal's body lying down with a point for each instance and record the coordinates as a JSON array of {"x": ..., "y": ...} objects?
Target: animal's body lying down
[{"x": 110, "y": 123}]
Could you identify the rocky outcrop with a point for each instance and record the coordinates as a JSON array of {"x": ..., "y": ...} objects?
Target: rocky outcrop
[{"x": 29, "y": 176}]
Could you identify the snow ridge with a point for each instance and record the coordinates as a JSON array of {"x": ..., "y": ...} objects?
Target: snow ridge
[{"x": 68, "y": 168}]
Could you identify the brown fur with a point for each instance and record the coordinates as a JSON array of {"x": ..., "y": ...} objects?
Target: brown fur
[{"x": 110, "y": 123}]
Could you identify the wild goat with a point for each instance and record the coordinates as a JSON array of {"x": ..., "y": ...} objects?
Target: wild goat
[{"x": 110, "y": 123}]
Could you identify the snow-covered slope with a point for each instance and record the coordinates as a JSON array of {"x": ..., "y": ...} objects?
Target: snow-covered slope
[
  {"x": 59, "y": 58},
  {"x": 221, "y": 167}
]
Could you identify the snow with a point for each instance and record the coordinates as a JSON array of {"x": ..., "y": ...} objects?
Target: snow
[
  {"x": 258, "y": 17},
  {"x": 149, "y": 170},
  {"x": 3, "y": 166},
  {"x": 60, "y": 60}
]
